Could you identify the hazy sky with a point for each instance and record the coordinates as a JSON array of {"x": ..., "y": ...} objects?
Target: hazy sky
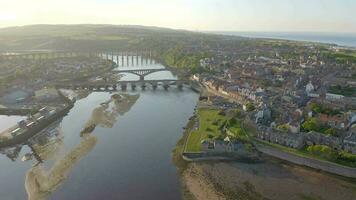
[{"x": 232, "y": 15}]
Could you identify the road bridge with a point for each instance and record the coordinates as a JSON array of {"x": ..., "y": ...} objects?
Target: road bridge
[{"x": 123, "y": 85}]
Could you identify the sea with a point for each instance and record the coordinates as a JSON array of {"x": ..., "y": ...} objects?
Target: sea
[{"x": 341, "y": 39}]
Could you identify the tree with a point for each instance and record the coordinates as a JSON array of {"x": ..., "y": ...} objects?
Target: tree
[
  {"x": 232, "y": 122},
  {"x": 310, "y": 125},
  {"x": 323, "y": 151},
  {"x": 283, "y": 127},
  {"x": 18, "y": 73},
  {"x": 250, "y": 107},
  {"x": 330, "y": 131}
]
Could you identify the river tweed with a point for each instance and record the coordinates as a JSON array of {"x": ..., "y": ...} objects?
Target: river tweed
[
  {"x": 109, "y": 146},
  {"x": 126, "y": 156},
  {"x": 118, "y": 145}
]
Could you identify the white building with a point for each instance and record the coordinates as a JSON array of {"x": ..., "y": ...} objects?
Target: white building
[{"x": 309, "y": 88}]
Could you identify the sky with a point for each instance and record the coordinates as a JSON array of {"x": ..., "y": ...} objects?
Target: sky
[{"x": 197, "y": 15}]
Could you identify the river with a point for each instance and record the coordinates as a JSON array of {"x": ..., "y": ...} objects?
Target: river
[{"x": 124, "y": 154}]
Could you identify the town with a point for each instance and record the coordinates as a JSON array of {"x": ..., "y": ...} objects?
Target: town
[
  {"x": 304, "y": 103},
  {"x": 252, "y": 111}
]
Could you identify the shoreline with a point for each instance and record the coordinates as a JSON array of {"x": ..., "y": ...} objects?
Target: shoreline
[
  {"x": 196, "y": 181},
  {"x": 307, "y": 162}
]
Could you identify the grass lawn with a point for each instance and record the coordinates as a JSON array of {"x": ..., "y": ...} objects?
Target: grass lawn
[
  {"x": 209, "y": 123},
  {"x": 239, "y": 131}
]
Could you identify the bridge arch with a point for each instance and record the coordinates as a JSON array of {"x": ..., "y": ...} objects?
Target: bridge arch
[{"x": 141, "y": 73}]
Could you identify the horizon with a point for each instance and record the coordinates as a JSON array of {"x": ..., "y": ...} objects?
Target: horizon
[
  {"x": 199, "y": 15},
  {"x": 181, "y": 29}
]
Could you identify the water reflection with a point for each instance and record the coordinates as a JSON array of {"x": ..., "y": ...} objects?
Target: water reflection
[
  {"x": 106, "y": 114},
  {"x": 52, "y": 164}
]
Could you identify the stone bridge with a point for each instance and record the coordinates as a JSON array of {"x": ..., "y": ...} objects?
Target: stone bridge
[{"x": 123, "y": 85}]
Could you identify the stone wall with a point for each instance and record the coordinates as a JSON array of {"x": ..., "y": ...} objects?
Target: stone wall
[{"x": 309, "y": 162}]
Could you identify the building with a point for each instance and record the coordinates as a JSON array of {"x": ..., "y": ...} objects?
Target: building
[
  {"x": 222, "y": 146},
  {"x": 333, "y": 97},
  {"x": 350, "y": 141},
  {"x": 291, "y": 140},
  {"x": 263, "y": 115},
  {"x": 315, "y": 138}
]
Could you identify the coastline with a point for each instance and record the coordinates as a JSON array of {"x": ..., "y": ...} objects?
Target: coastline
[{"x": 339, "y": 39}]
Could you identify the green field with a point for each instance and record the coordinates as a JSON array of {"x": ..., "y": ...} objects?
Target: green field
[{"x": 210, "y": 123}]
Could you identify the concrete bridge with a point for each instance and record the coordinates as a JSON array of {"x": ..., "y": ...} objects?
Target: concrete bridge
[
  {"x": 105, "y": 86},
  {"x": 140, "y": 57},
  {"x": 141, "y": 73}
]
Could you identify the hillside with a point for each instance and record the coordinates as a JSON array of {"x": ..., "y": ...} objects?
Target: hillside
[{"x": 97, "y": 37}]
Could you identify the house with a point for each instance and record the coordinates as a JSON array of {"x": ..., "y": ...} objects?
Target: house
[
  {"x": 294, "y": 127},
  {"x": 334, "y": 121},
  {"x": 286, "y": 139},
  {"x": 218, "y": 146},
  {"x": 207, "y": 145},
  {"x": 352, "y": 118},
  {"x": 333, "y": 97},
  {"x": 223, "y": 146},
  {"x": 263, "y": 115},
  {"x": 315, "y": 138},
  {"x": 350, "y": 141},
  {"x": 309, "y": 88}
]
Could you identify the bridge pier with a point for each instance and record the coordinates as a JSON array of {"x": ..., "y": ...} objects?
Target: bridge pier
[
  {"x": 180, "y": 85},
  {"x": 122, "y": 60},
  {"x": 143, "y": 86},
  {"x": 132, "y": 60},
  {"x": 154, "y": 86},
  {"x": 123, "y": 86},
  {"x": 133, "y": 86},
  {"x": 165, "y": 85}
]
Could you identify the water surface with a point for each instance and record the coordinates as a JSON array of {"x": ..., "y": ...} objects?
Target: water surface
[{"x": 109, "y": 146}]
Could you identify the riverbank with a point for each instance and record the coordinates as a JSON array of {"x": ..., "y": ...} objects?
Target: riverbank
[
  {"x": 271, "y": 179},
  {"x": 347, "y": 170},
  {"x": 313, "y": 163},
  {"x": 195, "y": 180},
  {"x": 194, "y": 185},
  {"x": 225, "y": 178}
]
